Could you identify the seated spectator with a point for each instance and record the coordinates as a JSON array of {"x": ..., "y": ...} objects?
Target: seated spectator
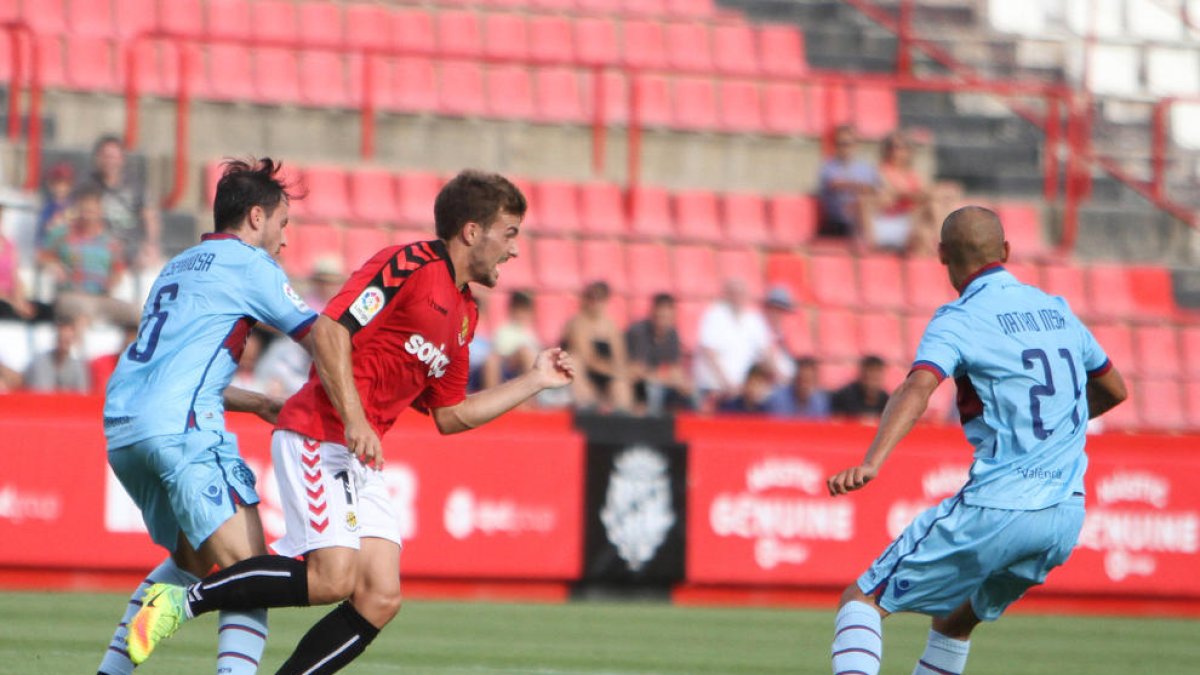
[
  {"x": 803, "y": 398},
  {"x": 86, "y": 261},
  {"x": 656, "y": 359},
  {"x": 755, "y": 394},
  {"x": 845, "y": 188},
  {"x": 733, "y": 337},
  {"x": 515, "y": 343},
  {"x": 133, "y": 218},
  {"x": 283, "y": 367},
  {"x": 903, "y": 218},
  {"x": 14, "y": 301},
  {"x": 60, "y": 369},
  {"x": 779, "y": 358},
  {"x": 598, "y": 346},
  {"x": 60, "y": 181},
  {"x": 865, "y": 396}
]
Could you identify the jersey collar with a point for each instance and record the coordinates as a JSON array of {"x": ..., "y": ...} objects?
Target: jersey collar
[
  {"x": 217, "y": 235},
  {"x": 439, "y": 248},
  {"x": 986, "y": 270}
]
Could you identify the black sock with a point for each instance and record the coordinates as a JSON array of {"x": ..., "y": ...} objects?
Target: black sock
[
  {"x": 257, "y": 583},
  {"x": 332, "y": 643}
]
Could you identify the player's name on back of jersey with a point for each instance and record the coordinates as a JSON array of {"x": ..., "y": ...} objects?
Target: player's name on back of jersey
[
  {"x": 1027, "y": 322},
  {"x": 197, "y": 262}
]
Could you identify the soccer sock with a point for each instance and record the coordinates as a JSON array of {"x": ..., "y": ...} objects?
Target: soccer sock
[
  {"x": 857, "y": 640},
  {"x": 116, "y": 659},
  {"x": 254, "y": 583},
  {"x": 943, "y": 656},
  {"x": 331, "y": 644},
  {"x": 241, "y": 637}
]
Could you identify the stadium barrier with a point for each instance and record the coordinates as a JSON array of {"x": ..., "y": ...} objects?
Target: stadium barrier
[{"x": 507, "y": 502}]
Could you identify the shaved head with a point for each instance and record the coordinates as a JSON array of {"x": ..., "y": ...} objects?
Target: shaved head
[{"x": 972, "y": 237}]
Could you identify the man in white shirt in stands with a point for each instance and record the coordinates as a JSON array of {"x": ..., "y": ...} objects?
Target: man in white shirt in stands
[{"x": 733, "y": 337}]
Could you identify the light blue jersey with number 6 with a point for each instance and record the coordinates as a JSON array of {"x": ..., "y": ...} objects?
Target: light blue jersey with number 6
[
  {"x": 1021, "y": 360},
  {"x": 194, "y": 326}
]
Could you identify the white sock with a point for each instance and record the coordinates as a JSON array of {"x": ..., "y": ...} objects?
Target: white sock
[
  {"x": 241, "y": 637},
  {"x": 943, "y": 656},
  {"x": 116, "y": 659},
  {"x": 857, "y": 640}
]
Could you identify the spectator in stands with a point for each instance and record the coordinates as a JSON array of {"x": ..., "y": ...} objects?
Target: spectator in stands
[
  {"x": 60, "y": 369},
  {"x": 515, "y": 344},
  {"x": 14, "y": 301},
  {"x": 86, "y": 261},
  {"x": 656, "y": 359},
  {"x": 598, "y": 346},
  {"x": 803, "y": 398},
  {"x": 283, "y": 367},
  {"x": 865, "y": 396},
  {"x": 755, "y": 394},
  {"x": 902, "y": 219},
  {"x": 846, "y": 186},
  {"x": 60, "y": 181},
  {"x": 776, "y": 307},
  {"x": 134, "y": 221},
  {"x": 733, "y": 337}
]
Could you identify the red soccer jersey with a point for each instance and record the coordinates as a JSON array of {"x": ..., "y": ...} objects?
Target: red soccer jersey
[{"x": 410, "y": 328}]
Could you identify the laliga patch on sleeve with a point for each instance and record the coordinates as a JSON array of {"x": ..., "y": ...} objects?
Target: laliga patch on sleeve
[
  {"x": 367, "y": 305},
  {"x": 295, "y": 298}
]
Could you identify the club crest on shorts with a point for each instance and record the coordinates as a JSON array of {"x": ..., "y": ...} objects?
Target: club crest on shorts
[
  {"x": 367, "y": 305},
  {"x": 351, "y": 521},
  {"x": 637, "y": 511}
]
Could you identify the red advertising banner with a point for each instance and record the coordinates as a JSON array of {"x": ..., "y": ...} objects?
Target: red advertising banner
[{"x": 502, "y": 502}]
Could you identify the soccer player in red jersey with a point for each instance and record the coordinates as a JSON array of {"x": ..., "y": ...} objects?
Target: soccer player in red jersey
[{"x": 406, "y": 319}]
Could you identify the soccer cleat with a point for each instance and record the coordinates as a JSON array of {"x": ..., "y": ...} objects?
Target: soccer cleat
[{"x": 161, "y": 615}]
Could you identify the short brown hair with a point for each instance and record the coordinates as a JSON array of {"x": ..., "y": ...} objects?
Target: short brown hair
[
  {"x": 475, "y": 197},
  {"x": 245, "y": 184}
]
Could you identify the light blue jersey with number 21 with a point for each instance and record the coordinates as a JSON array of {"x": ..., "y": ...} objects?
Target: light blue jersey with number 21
[
  {"x": 1021, "y": 360},
  {"x": 193, "y": 329}
]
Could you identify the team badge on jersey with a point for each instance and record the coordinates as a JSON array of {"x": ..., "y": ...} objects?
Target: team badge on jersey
[
  {"x": 295, "y": 297},
  {"x": 367, "y": 305},
  {"x": 462, "y": 334}
]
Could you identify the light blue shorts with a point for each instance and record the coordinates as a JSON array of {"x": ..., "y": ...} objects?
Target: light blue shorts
[
  {"x": 187, "y": 482},
  {"x": 954, "y": 552}
]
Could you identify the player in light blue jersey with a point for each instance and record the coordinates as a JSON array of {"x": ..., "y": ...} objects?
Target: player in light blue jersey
[
  {"x": 1029, "y": 377},
  {"x": 165, "y": 404}
]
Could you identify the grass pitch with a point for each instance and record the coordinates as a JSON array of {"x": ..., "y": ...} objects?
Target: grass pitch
[{"x": 59, "y": 633}]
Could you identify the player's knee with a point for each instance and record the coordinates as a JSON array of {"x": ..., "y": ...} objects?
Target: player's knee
[
  {"x": 331, "y": 581},
  {"x": 379, "y": 606},
  {"x": 854, "y": 594}
]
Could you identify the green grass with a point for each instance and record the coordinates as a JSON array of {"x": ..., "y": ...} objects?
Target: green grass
[{"x": 67, "y": 633}]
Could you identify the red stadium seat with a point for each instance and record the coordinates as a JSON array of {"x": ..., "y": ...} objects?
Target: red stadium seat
[
  {"x": 554, "y": 208},
  {"x": 695, "y": 272},
  {"x": 650, "y": 216},
  {"x": 876, "y": 111},
  {"x": 307, "y": 243},
  {"x": 829, "y": 107},
  {"x": 150, "y": 76},
  {"x": 416, "y": 193},
  {"x": 50, "y": 54},
  {"x": 517, "y": 273},
  {"x": 328, "y": 195},
  {"x": 786, "y": 109},
  {"x": 691, "y": 9},
  {"x": 1023, "y": 229},
  {"x": 181, "y": 17},
  {"x": 1153, "y": 294},
  {"x": 615, "y": 92},
  {"x": 602, "y": 210},
  {"x": 558, "y": 97},
  {"x": 413, "y": 32},
  {"x": 643, "y": 45},
  {"x": 654, "y": 101},
  {"x": 604, "y": 260},
  {"x": 1110, "y": 291},
  {"x": 506, "y": 36},
  {"x": 696, "y": 216},
  {"x": 688, "y": 47},
  {"x": 654, "y": 8},
  {"x": 781, "y": 51},
  {"x": 320, "y": 23},
  {"x": 649, "y": 268},
  {"x": 1124, "y": 417},
  {"x": 598, "y": 6},
  {"x": 1116, "y": 339},
  {"x": 134, "y": 16},
  {"x": 926, "y": 286},
  {"x": 1026, "y": 273},
  {"x": 1160, "y": 404},
  {"x": 694, "y": 105},
  {"x": 798, "y": 334},
  {"x": 833, "y": 281},
  {"x": 744, "y": 215},
  {"x": 228, "y": 18},
  {"x": 792, "y": 219},
  {"x": 229, "y": 73},
  {"x": 276, "y": 75},
  {"x": 741, "y": 110},
  {"x": 596, "y": 41},
  {"x": 368, "y": 25},
  {"x": 912, "y": 328},
  {"x": 552, "y": 312},
  {"x": 460, "y": 89},
  {"x": 381, "y": 89},
  {"x": 880, "y": 334},
  {"x": 744, "y": 264},
  {"x": 553, "y": 5},
  {"x": 791, "y": 271},
  {"x": 1069, "y": 281},
  {"x": 274, "y": 20},
  {"x": 879, "y": 282},
  {"x": 372, "y": 195},
  {"x": 415, "y": 85},
  {"x": 93, "y": 18},
  {"x": 1156, "y": 349},
  {"x": 734, "y": 50},
  {"x": 46, "y": 17},
  {"x": 459, "y": 34},
  {"x": 90, "y": 64},
  {"x": 556, "y": 264},
  {"x": 324, "y": 82},
  {"x": 1189, "y": 339},
  {"x": 1191, "y": 396},
  {"x": 363, "y": 242},
  {"x": 687, "y": 321},
  {"x": 509, "y": 92},
  {"x": 837, "y": 334},
  {"x": 550, "y": 39}
]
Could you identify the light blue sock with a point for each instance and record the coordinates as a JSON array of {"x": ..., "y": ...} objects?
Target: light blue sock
[
  {"x": 241, "y": 638},
  {"x": 857, "y": 640},
  {"x": 943, "y": 656},
  {"x": 116, "y": 659}
]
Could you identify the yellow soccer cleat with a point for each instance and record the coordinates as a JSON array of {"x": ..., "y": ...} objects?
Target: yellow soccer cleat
[{"x": 161, "y": 615}]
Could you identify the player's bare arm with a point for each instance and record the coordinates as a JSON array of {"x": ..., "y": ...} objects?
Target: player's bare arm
[
  {"x": 553, "y": 368},
  {"x": 1105, "y": 392},
  {"x": 241, "y": 400},
  {"x": 329, "y": 343},
  {"x": 903, "y": 410}
]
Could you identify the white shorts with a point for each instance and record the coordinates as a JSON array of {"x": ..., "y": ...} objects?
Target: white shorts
[{"x": 329, "y": 498}]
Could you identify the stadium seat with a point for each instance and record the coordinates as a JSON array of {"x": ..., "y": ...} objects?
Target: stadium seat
[
  {"x": 1023, "y": 229},
  {"x": 696, "y": 216},
  {"x": 552, "y": 311},
  {"x": 556, "y": 264},
  {"x": 797, "y": 333},
  {"x": 320, "y": 23},
  {"x": 781, "y": 51},
  {"x": 230, "y": 73},
  {"x": 786, "y": 109},
  {"x": 876, "y": 111},
  {"x": 372, "y": 195},
  {"x": 1160, "y": 404},
  {"x": 742, "y": 263},
  {"x": 327, "y": 193},
  {"x": 517, "y": 273},
  {"x": 53, "y": 63},
  {"x": 1153, "y": 294},
  {"x": 695, "y": 104},
  {"x": 744, "y": 218},
  {"x": 649, "y": 268},
  {"x": 196, "y": 80},
  {"x": 276, "y": 75},
  {"x": 228, "y": 18},
  {"x": 926, "y": 286},
  {"x": 134, "y": 16},
  {"x": 274, "y": 20},
  {"x": 879, "y": 282},
  {"x": 93, "y": 18},
  {"x": 740, "y": 107},
  {"x": 653, "y": 107},
  {"x": 509, "y": 92},
  {"x": 416, "y": 192},
  {"x": 307, "y": 243},
  {"x": 598, "y": 6},
  {"x": 651, "y": 8},
  {"x": 791, "y": 271},
  {"x": 650, "y": 213},
  {"x": 150, "y": 76},
  {"x": 734, "y": 49},
  {"x": 415, "y": 85},
  {"x": 460, "y": 89},
  {"x": 181, "y": 17},
  {"x": 413, "y": 32},
  {"x": 554, "y": 208},
  {"x": 1126, "y": 416},
  {"x": 615, "y": 92},
  {"x": 368, "y": 25},
  {"x": 1110, "y": 291},
  {"x": 833, "y": 281},
  {"x": 323, "y": 83},
  {"x": 506, "y": 36},
  {"x": 829, "y": 106},
  {"x": 912, "y": 327},
  {"x": 602, "y": 210},
  {"x": 688, "y": 314},
  {"x": 688, "y": 47},
  {"x": 361, "y": 243},
  {"x": 553, "y": 5},
  {"x": 558, "y": 97},
  {"x": 880, "y": 333},
  {"x": 691, "y": 9},
  {"x": 1189, "y": 344},
  {"x": 643, "y": 45},
  {"x": 459, "y": 34},
  {"x": 596, "y": 41},
  {"x": 1069, "y": 281},
  {"x": 49, "y": 17},
  {"x": 381, "y": 89},
  {"x": 791, "y": 219},
  {"x": 695, "y": 274},
  {"x": 837, "y": 334},
  {"x": 1026, "y": 273},
  {"x": 604, "y": 260},
  {"x": 1156, "y": 349},
  {"x": 1116, "y": 339},
  {"x": 90, "y": 64},
  {"x": 550, "y": 39}
]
